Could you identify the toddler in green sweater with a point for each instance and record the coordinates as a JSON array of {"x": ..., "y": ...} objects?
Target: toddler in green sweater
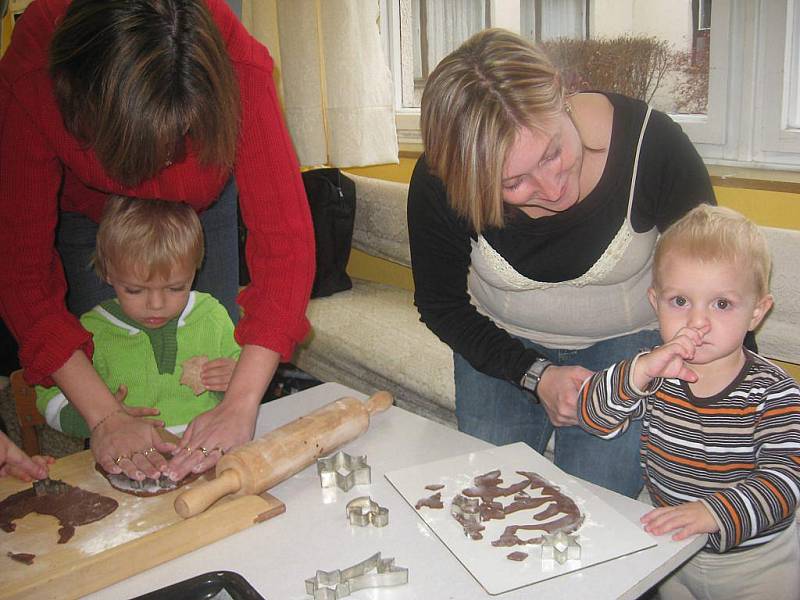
[{"x": 149, "y": 251}]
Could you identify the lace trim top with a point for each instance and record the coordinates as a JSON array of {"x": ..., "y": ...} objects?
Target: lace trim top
[{"x": 555, "y": 313}]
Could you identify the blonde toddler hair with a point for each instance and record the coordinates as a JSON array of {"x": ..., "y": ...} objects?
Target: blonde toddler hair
[
  {"x": 474, "y": 103},
  {"x": 148, "y": 237},
  {"x": 717, "y": 234}
]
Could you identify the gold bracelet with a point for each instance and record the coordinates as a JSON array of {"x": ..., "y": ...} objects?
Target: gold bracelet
[{"x": 106, "y": 418}]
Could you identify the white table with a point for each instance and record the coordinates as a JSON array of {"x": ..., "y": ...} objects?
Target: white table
[{"x": 278, "y": 555}]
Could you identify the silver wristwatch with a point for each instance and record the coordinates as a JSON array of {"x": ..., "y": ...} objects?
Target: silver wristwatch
[{"x": 530, "y": 380}]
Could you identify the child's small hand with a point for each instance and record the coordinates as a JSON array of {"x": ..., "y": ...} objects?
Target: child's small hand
[
  {"x": 688, "y": 519},
  {"x": 137, "y": 411},
  {"x": 216, "y": 374},
  {"x": 670, "y": 359}
]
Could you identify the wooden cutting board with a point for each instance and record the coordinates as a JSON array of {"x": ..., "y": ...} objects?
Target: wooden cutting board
[{"x": 140, "y": 534}]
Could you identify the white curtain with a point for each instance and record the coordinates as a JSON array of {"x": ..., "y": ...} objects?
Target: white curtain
[{"x": 335, "y": 83}]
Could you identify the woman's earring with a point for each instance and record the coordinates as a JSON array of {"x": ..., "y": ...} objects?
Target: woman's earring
[{"x": 568, "y": 108}]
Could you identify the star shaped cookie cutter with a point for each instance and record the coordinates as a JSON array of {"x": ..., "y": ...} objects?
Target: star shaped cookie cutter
[
  {"x": 363, "y": 511},
  {"x": 343, "y": 471},
  {"x": 372, "y": 572},
  {"x": 560, "y": 547}
]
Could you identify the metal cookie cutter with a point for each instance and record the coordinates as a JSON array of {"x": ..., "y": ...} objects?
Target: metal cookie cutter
[
  {"x": 362, "y": 511},
  {"x": 561, "y": 547},
  {"x": 343, "y": 471},
  {"x": 466, "y": 510},
  {"x": 42, "y": 487},
  {"x": 372, "y": 572}
]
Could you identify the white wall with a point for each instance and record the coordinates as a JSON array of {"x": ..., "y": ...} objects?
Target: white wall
[{"x": 666, "y": 19}]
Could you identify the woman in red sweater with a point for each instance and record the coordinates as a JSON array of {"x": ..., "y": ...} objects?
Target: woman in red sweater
[{"x": 169, "y": 99}]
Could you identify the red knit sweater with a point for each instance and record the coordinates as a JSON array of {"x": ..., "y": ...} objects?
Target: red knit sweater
[{"x": 42, "y": 167}]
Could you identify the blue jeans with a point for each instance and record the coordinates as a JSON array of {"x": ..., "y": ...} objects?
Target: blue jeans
[
  {"x": 501, "y": 413},
  {"x": 219, "y": 274}
]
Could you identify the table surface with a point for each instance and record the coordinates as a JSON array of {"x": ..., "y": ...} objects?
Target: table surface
[{"x": 278, "y": 555}]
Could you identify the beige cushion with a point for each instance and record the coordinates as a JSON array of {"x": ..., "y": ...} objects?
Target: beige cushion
[
  {"x": 779, "y": 336},
  {"x": 371, "y": 338},
  {"x": 381, "y": 227}
]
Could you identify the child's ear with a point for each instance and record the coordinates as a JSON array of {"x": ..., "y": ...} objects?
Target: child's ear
[
  {"x": 760, "y": 311},
  {"x": 651, "y": 295}
]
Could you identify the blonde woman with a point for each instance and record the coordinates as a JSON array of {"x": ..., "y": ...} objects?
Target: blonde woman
[{"x": 532, "y": 221}]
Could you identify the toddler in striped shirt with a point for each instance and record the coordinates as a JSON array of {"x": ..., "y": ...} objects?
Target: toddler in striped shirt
[{"x": 720, "y": 446}]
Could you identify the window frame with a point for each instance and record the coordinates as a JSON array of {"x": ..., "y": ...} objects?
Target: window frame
[{"x": 743, "y": 127}]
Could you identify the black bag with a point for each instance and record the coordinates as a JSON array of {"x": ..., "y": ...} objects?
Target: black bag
[{"x": 332, "y": 198}]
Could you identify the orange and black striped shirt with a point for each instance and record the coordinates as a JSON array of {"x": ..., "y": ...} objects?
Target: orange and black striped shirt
[{"x": 737, "y": 452}]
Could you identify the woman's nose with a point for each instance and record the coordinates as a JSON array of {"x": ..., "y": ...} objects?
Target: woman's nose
[{"x": 549, "y": 182}]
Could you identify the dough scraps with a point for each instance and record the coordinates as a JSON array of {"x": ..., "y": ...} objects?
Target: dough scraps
[
  {"x": 72, "y": 506},
  {"x": 23, "y": 557},
  {"x": 488, "y": 490},
  {"x": 191, "y": 373}
]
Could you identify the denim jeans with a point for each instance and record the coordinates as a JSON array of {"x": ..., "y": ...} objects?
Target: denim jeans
[
  {"x": 502, "y": 413},
  {"x": 218, "y": 275}
]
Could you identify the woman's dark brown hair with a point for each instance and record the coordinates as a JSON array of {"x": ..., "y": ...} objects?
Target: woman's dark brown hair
[{"x": 135, "y": 78}]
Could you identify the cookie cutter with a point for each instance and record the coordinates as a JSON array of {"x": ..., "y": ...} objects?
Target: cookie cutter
[
  {"x": 363, "y": 511},
  {"x": 466, "y": 510},
  {"x": 343, "y": 471},
  {"x": 43, "y": 487},
  {"x": 560, "y": 547},
  {"x": 372, "y": 572}
]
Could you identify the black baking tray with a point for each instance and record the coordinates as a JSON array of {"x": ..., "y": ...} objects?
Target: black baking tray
[{"x": 206, "y": 587}]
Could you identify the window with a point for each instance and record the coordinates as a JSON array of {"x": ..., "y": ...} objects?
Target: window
[
  {"x": 556, "y": 19},
  {"x": 736, "y": 92}
]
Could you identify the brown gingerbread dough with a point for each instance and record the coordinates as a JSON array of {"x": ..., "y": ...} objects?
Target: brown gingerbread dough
[{"x": 72, "y": 506}]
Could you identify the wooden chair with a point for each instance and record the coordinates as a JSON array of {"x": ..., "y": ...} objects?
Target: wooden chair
[{"x": 28, "y": 417}]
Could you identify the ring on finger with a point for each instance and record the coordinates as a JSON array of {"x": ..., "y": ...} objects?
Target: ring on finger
[
  {"x": 188, "y": 449},
  {"x": 119, "y": 459},
  {"x": 149, "y": 451},
  {"x": 204, "y": 451}
]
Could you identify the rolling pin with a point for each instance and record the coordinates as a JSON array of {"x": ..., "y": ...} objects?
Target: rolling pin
[{"x": 263, "y": 463}]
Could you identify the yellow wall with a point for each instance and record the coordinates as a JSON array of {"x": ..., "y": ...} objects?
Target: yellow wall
[{"x": 769, "y": 208}]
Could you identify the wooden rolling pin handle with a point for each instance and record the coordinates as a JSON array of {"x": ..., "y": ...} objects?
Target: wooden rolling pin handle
[
  {"x": 196, "y": 500},
  {"x": 378, "y": 402}
]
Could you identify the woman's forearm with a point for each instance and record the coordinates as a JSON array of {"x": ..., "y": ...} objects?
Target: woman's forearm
[
  {"x": 83, "y": 387},
  {"x": 253, "y": 373}
]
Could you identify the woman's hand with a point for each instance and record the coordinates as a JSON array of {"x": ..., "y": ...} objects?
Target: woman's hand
[
  {"x": 125, "y": 443},
  {"x": 209, "y": 436},
  {"x": 232, "y": 422},
  {"x": 688, "y": 519},
  {"x": 558, "y": 393},
  {"x": 216, "y": 374},
  {"x": 117, "y": 449},
  {"x": 16, "y": 463}
]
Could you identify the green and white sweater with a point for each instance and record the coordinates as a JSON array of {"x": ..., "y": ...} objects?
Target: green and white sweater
[{"x": 148, "y": 361}]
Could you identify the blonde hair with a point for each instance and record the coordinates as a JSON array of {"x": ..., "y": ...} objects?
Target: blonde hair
[
  {"x": 148, "y": 237},
  {"x": 717, "y": 234},
  {"x": 475, "y": 101}
]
